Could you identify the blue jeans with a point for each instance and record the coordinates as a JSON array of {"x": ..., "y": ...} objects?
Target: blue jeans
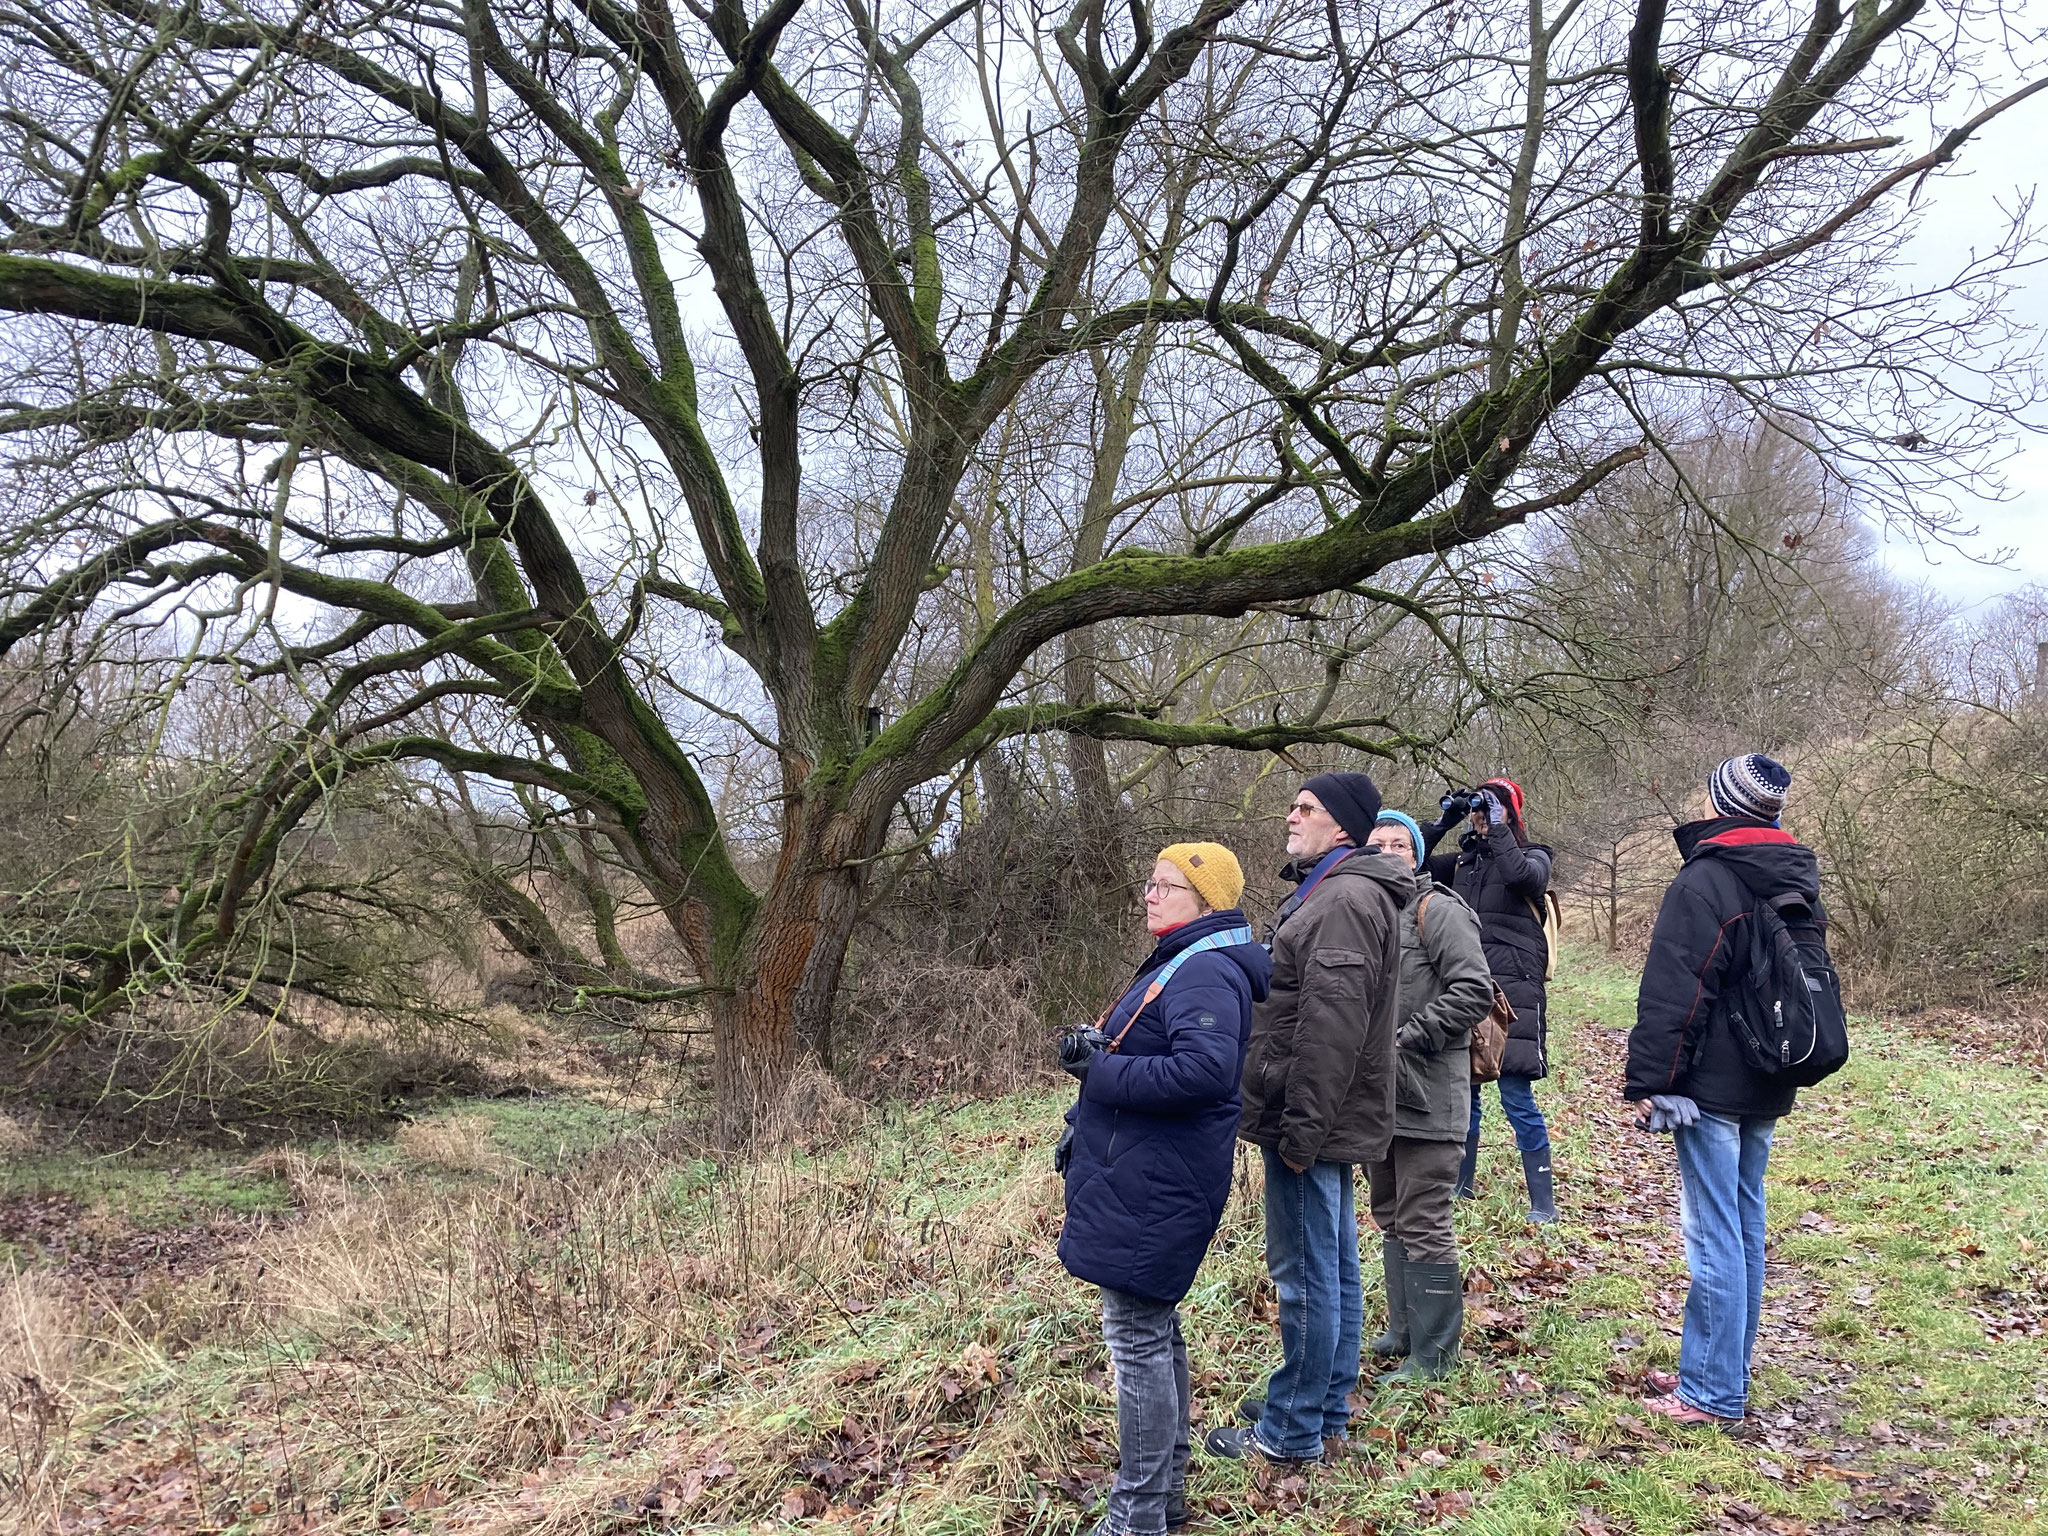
[
  {"x": 1518, "y": 1099},
  {"x": 1152, "y": 1400},
  {"x": 1721, "y": 1164},
  {"x": 1312, "y": 1252}
]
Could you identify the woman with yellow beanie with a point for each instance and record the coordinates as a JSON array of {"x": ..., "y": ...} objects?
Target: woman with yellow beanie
[{"x": 1148, "y": 1155}]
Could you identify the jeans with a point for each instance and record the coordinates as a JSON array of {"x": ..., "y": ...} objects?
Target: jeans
[
  {"x": 1152, "y": 1399},
  {"x": 1721, "y": 1163},
  {"x": 1312, "y": 1252},
  {"x": 1518, "y": 1099}
]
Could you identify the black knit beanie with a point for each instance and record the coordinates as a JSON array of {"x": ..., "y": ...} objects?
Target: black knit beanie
[{"x": 1352, "y": 798}]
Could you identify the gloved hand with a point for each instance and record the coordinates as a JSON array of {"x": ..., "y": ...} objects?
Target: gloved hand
[
  {"x": 1077, "y": 1051},
  {"x": 1668, "y": 1111},
  {"x": 1063, "y": 1153},
  {"x": 1412, "y": 1037},
  {"x": 1496, "y": 813},
  {"x": 1456, "y": 804}
]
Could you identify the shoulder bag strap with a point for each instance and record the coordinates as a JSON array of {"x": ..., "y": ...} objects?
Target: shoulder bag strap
[{"x": 1223, "y": 940}]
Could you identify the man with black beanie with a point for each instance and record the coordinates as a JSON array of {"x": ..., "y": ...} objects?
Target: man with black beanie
[{"x": 1318, "y": 1099}]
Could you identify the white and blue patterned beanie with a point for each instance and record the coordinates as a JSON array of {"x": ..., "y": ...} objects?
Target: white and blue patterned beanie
[{"x": 1752, "y": 785}]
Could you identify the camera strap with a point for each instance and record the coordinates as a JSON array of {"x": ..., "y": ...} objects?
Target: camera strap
[{"x": 1223, "y": 940}]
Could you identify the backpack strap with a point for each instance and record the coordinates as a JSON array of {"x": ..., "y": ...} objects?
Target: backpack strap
[
  {"x": 1793, "y": 907},
  {"x": 1223, "y": 940},
  {"x": 1421, "y": 907}
]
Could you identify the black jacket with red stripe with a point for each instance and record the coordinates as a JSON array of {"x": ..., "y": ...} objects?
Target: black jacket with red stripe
[{"x": 1682, "y": 1042}]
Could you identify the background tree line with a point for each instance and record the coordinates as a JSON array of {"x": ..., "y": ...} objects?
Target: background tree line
[{"x": 683, "y": 498}]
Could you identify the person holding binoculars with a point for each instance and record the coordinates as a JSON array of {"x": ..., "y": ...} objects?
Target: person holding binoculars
[
  {"x": 1503, "y": 877},
  {"x": 1148, "y": 1153}
]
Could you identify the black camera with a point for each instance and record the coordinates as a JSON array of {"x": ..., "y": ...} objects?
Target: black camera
[{"x": 1078, "y": 1048}]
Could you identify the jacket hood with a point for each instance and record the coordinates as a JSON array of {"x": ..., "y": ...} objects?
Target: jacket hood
[
  {"x": 1400, "y": 879},
  {"x": 1251, "y": 958},
  {"x": 1768, "y": 860}
]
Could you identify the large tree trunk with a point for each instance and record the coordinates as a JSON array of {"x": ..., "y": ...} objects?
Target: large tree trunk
[{"x": 785, "y": 976}]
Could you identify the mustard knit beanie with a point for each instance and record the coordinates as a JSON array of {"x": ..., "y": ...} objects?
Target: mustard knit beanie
[{"x": 1212, "y": 870}]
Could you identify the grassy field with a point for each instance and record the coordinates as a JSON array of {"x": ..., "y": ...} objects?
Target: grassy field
[{"x": 552, "y": 1315}]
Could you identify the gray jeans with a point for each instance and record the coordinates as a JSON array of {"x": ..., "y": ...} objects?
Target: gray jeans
[{"x": 1152, "y": 1401}]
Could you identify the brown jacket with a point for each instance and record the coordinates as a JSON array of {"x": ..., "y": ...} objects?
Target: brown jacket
[{"x": 1319, "y": 1078}]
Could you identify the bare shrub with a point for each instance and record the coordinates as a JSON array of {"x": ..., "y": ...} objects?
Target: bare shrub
[
  {"x": 1935, "y": 858},
  {"x": 918, "y": 1025}
]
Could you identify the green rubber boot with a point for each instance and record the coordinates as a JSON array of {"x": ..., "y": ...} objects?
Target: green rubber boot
[
  {"x": 1393, "y": 1343},
  {"x": 1436, "y": 1316}
]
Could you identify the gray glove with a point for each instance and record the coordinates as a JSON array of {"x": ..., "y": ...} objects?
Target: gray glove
[
  {"x": 1669, "y": 1111},
  {"x": 1496, "y": 816},
  {"x": 1412, "y": 1037}
]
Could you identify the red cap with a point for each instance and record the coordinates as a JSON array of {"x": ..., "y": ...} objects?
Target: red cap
[{"x": 1514, "y": 795}]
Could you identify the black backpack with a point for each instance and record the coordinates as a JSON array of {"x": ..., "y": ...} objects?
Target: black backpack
[{"x": 1786, "y": 1012}]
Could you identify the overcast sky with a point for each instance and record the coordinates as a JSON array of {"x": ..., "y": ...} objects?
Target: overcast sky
[{"x": 1996, "y": 168}]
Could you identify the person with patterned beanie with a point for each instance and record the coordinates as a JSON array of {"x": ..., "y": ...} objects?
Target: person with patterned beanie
[{"x": 1689, "y": 1076}]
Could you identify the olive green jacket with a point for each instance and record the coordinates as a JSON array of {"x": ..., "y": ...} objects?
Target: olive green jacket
[
  {"x": 1319, "y": 1076},
  {"x": 1446, "y": 988}
]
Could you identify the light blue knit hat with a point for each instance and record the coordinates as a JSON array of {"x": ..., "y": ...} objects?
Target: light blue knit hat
[{"x": 1402, "y": 818}]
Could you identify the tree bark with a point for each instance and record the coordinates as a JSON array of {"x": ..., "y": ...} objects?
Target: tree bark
[{"x": 785, "y": 976}]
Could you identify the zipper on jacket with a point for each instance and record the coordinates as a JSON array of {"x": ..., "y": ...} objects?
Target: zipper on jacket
[{"x": 1115, "y": 1119}]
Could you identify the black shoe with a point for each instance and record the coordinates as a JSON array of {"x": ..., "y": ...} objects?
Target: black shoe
[
  {"x": 1536, "y": 1172},
  {"x": 1436, "y": 1315},
  {"x": 1240, "y": 1444},
  {"x": 1394, "y": 1261},
  {"x": 1177, "y": 1510},
  {"x": 1251, "y": 1409}
]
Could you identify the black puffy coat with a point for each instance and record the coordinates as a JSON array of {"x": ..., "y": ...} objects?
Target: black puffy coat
[
  {"x": 1682, "y": 1042},
  {"x": 1503, "y": 880}
]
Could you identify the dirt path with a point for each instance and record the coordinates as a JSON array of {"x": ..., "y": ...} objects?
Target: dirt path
[{"x": 1626, "y": 1203}]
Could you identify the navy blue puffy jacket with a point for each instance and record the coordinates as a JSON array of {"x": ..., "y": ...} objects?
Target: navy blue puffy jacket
[{"x": 1155, "y": 1127}]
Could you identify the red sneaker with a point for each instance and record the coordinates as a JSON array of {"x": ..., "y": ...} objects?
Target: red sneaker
[
  {"x": 1661, "y": 1381},
  {"x": 1679, "y": 1411}
]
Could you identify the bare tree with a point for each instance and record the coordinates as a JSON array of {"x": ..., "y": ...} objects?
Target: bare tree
[{"x": 629, "y": 378}]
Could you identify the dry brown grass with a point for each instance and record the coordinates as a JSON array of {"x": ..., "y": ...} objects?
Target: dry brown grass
[
  {"x": 519, "y": 1351},
  {"x": 453, "y": 1144},
  {"x": 41, "y": 1330},
  {"x": 17, "y": 1136},
  {"x": 42, "y": 1341}
]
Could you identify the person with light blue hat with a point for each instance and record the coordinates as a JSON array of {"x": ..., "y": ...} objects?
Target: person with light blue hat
[{"x": 1446, "y": 989}]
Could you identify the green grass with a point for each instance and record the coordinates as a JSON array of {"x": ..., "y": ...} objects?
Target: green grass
[
  {"x": 610, "y": 1314},
  {"x": 149, "y": 1189}
]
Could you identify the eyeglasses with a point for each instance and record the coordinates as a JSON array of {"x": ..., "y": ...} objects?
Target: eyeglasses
[
  {"x": 1161, "y": 887},
  {"x": 1304, "y": 810}
]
